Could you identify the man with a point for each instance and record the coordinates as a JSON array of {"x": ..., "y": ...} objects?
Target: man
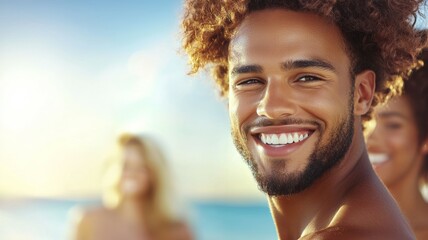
[{"x": 300, "y": 78}]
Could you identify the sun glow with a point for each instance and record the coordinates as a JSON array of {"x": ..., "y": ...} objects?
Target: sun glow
[
  {"x": 35, "y": 141},
  {"x": 58, "y": 123}
]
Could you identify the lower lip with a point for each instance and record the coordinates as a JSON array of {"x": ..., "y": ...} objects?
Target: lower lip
[
  {"x": 278, "y": 151},
  {"x": 378, "y": 165}
]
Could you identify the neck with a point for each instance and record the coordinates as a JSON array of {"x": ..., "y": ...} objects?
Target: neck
[
  {"x": 315, "y": 208},
  {"x": 133, "y": 209}
]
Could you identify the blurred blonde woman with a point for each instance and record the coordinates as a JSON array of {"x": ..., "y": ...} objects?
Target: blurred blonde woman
[{"x": 137, "y": 205}]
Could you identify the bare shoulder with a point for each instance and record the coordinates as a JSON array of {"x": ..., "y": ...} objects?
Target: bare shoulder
[
  {"x": 355, "y": 233},
  {"x": 84, "y": 220},
  {"x": 367, "y": 222},
  {"x": 369, "y": 212},
  {"x": 365, "y": 218},
  {"x": 87, "y": 215},
  {"x": 180, "y": 230}
]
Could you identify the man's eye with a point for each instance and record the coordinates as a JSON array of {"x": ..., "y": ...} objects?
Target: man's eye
[
  {"x": 308, "y": 78},
  {"x": 249, "y": 82}
]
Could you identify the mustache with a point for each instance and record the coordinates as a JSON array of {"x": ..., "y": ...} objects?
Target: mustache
[{"x": 265, "y": 122}]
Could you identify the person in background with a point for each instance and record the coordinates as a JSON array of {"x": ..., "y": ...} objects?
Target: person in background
[
  {"x": 398, "y": 147},
  {"x": 138, "y": 205}
]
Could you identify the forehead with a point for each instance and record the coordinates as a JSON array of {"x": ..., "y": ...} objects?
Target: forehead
[
  {"x": 399, "y": 104},
  {"x": 132, "y": 153},
  {"x": 287, "y": 34}
]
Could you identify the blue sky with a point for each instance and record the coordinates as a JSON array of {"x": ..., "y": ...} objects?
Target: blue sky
[{"x": 74, "y": 74}]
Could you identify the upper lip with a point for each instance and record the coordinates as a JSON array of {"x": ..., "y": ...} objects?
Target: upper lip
[{"x": 283, "y": 129}]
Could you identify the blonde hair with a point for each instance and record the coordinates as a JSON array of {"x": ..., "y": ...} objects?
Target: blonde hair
[{"x": 159, "y": 210}]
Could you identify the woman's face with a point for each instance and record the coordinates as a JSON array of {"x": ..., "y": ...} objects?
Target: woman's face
[
  {"x": 135, "y": 179},
  {"x": 393, "y": 145}
]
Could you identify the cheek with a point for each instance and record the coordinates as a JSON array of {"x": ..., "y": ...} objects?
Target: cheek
[
  {"x": 327, "y": 107},
  {"x": 398, "y": 143},
  {"x": 143, "y": 179},
  {"x": 402, "y": 148},
  {"x": 241, "y": 109},
  {"x": 330, "y": 98}
]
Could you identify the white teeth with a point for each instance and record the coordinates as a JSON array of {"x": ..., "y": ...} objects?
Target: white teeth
[
  {"x": 283, "y": 138},
  {"x": 268, "y": 139},
  {"x": 289, "y": 138},
  {"x": 296, "y": 137},
  {"x": 275, "y": 139},
  {"x": 263, "y": 138},
  {"x": 378, "y": 158}
]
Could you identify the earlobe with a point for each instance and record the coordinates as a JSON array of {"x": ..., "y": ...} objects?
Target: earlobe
[{"x": 365, "y": 84}]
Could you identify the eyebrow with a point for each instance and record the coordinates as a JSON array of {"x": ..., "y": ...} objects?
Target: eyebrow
[
  {"x": 247, "y": 69},
  {"x": 391, "y": 114},
  {"x": 289, "y": 65},
  {"x": 317, "y": 63}
]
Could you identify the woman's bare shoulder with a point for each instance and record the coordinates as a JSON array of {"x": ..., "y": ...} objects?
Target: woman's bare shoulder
[
  {"x": 86, "y": 219},
  {"x": 180, "y": 230},
  {"x": 99, "y": 211},
  {"x": 91, "y": 213}
]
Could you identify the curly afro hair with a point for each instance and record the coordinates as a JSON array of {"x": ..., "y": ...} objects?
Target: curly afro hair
[
  {"x": 379, "y": 34},
  {"x": 416, "y": 91}
]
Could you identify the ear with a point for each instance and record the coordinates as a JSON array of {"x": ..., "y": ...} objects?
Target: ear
[{"x": 365, "y": 84}]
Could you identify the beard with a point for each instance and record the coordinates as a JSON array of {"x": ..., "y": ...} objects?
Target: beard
[{"x": 323, "y": 158}]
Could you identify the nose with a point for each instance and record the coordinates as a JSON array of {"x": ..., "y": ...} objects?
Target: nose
[{"x": 277, "y": 101}]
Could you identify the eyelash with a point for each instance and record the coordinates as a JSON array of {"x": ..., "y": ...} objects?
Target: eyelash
[
  {"x": 311, "y": 77},
  {"x": 249, "y": 81}
]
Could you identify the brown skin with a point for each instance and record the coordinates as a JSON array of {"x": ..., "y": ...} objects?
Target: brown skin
[
  {"x": 103, "y": 223},
  {"x": 395, "y": 139},
  {"x": 127, "y": 221},
  {"x": 347, "y": 202},
  {"x": 114, "y": 224}
]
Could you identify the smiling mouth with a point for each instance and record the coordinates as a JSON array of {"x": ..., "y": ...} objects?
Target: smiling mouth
[
  {"x": 278, "y": 141},
  {"x": 378, "y": 158},
  {"x": 282, "y": 139}
]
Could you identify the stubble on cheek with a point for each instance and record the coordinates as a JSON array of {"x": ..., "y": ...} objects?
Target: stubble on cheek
[{"x": 240, "y": 141}]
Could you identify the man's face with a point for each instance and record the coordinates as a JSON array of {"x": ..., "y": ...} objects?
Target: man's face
[{"x": 290, "y": 98}]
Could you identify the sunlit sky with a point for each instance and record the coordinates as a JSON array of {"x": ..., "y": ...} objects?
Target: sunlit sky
[{"x": 75, "y": 74}]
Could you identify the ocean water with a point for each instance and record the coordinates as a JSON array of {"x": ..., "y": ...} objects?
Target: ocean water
[{"x": 44, "y": 219}]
